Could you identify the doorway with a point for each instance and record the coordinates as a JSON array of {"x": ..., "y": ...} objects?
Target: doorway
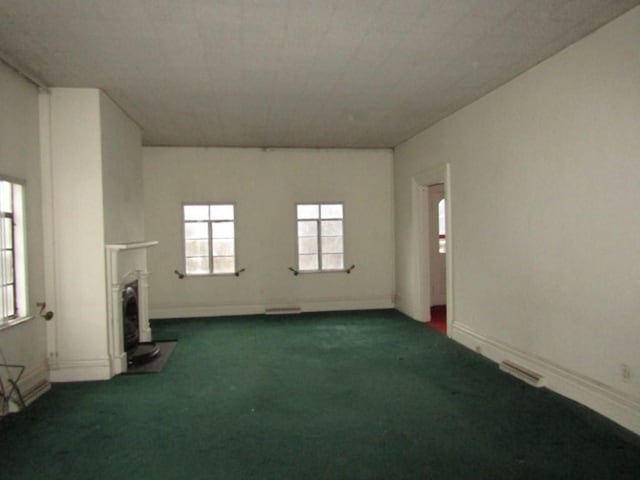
[
  {"x": 434, "y": 241},
  {"x": 437, "y": 245}
]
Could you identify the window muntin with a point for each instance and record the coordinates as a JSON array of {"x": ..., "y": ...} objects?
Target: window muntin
[
  {"x": 320, "y": 237},
  {"x": 12, "y": 251},
  {"x": 209, "y": 239}
]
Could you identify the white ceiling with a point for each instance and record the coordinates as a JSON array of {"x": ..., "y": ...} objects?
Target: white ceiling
[{"x": 296, "y": 73}]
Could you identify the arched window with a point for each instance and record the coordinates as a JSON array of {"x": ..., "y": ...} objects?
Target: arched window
[{"x": 442, "y": 227}]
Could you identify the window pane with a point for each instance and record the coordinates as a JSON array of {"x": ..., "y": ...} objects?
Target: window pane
[
  {"x": 8, "y": 304},
  {"x": 196, "y": 248},
  {"x": 223, "y": 265},
  {"x": 308, "y": 229},
  {"x": 196, "y": 230},
  {"x": 332, "y": 261},
  {"x": 307, "y": 262},
  {"x": 222, "y": 230},
  {"x": 331, "y": 211},
  {"x": 332, "y": 245},
  {"x": 331, "y": 228},
  {"x": 223, "y": 248},
  {"x": 7, "y": 267},
  {"x": 196, "y": 212},
  {"x": 221, "y": 212},
  {"x": 442, "y": 224},
  {"x": 308, "y": 211},
  {"x": 7, "y": 231},
  {"x": 6, "y": 203},
  {"x": 197, "y": 265},
  {"x": 307, "y": 245}
]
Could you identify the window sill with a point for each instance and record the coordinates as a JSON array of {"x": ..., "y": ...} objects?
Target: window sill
[
  {"x": 304, "y": 272},
  {"x": 7, "y": 324},
  {"x": 209, "y": 275}
]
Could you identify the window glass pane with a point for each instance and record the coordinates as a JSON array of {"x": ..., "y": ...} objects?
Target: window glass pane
[
  {"x": 6, "y": 203},
  {"x": 221, "y": 212},
  {"x": 9, "y": 307},
  {"x": 7, "y": 267},
  {"x": 442, "y": 245},
  {"x": 331, "y": 211},
  {"x": 196, "y": 212},
  {"x": 331, "y": 228},
  {"x": 7, "y": 232},
  {"x": 223, "y": 265},
  {"x": 332, "y": 261},
  {"x": 307, "y": 262},
  {"x": 223, "y": 247},
  {"x": 3, "y": 303},
  {"x": 308, "y": 211},
  {"x": 332, "y": 245},
  {"x": 196, "y": 248},
  {"x": 307, "y": 245},
  {"x": 197, "y": 265},
  {"x": 442, "y": 224},
  {"x": 308, "y": 229},
  {"x": 194, "y": 230},
  {"x": 222, "y": 230}
]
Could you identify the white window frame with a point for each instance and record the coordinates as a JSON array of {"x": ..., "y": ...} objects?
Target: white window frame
[
  {"x": 321, "y": 268},
  {"x": 211, "y": 257},
  {"x": 16, "y": 213}
]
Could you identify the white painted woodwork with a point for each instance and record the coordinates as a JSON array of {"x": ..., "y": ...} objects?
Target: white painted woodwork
[{"x": 126, "y": 263}]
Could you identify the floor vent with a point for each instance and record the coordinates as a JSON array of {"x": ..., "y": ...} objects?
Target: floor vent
[
  {"x": 524, "y": 374},
  {"x": 282, "y": 310}
]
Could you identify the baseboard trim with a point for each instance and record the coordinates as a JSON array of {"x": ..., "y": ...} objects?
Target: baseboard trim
[
  {"x": 322, "y": 305},
  {"x": 81, "y": 370},
  {"x": 618, "y": 406},
  {"x": 33, "y": 384}
]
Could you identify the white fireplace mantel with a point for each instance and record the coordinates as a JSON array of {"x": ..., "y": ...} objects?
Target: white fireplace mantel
[{"x": 126, "y": 263}]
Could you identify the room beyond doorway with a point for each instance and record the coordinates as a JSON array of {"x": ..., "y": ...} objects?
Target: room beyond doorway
[
  {"x": 438, "y": 318},
  {"x": 437, "y": 250}
]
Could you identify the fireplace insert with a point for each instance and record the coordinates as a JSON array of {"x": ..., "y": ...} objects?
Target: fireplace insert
[{"x": 137, "y": 353}]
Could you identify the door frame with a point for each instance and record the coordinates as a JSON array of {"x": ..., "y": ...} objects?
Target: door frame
[{"x": 421, "y": 181}]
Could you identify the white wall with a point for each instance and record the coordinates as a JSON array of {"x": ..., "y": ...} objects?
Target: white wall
[
  {"x": 545, "y": 193},
  {"x": 265, "y": 186},
  {"x": 25, "y": 343},
  {"x": 121, "y": 174},
  {"x": 95, "y": 160},
  {"x": 80, "y": 321}
]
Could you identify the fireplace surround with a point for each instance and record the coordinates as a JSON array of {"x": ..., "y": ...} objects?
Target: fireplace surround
[{"x": 127, "y": 282}]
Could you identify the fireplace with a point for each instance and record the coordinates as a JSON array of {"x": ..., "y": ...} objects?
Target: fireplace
[
  {"x": 138, "y": 353},
  {"x": 130, "y": 321},
  {"x": 129, "y": 332}
]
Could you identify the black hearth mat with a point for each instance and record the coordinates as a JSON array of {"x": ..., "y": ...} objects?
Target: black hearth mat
[{"x": 158, "y": 363}]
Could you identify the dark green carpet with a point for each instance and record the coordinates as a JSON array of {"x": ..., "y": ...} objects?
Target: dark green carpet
[{"x": 362, "y": 395}]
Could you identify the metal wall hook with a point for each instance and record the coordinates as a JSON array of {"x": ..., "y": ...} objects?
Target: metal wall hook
[
  {"x": 348, "y": 270},
  {"x": 237, "y": 274},
  {"x": 295, "y": 272},
  {"x": 46, "y": 315},
  {"x": 179, "y": 274}
]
